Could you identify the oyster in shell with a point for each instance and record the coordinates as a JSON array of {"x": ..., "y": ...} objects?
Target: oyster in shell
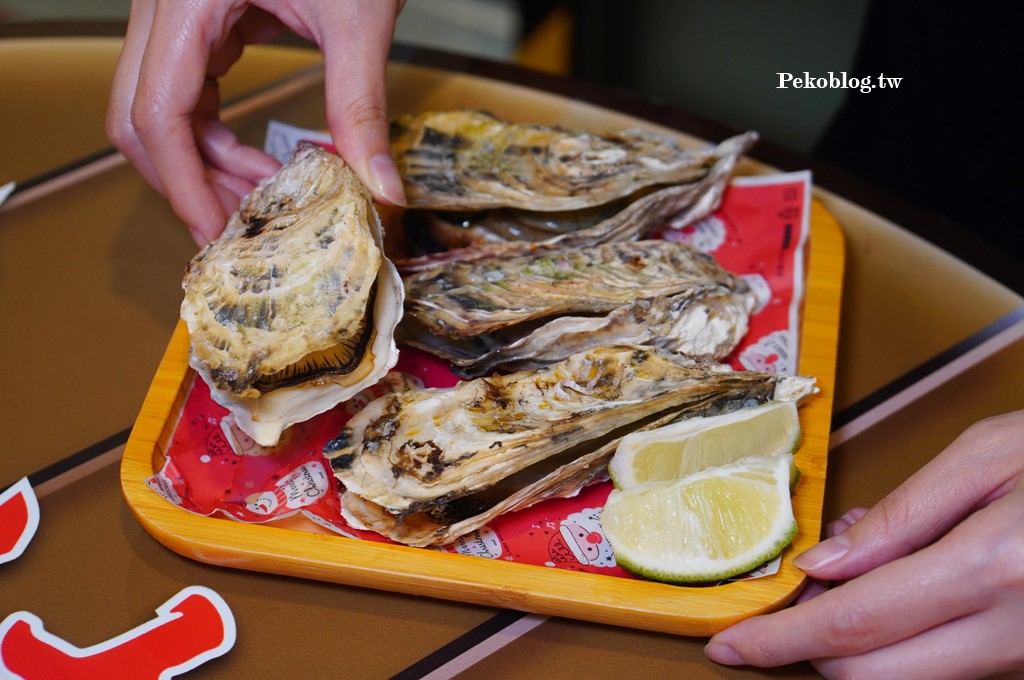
[
  {"x": 426, "y": 466},
  {"x": 293, "y": 308},
  {"x": 470, "y": 160},
  {"x": 707, "y": 321},
  {"x": 528, "y": 311},
  {"x": 461, "y": 162}
]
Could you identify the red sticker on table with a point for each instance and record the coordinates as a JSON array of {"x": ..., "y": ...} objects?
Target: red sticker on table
[
  {"x": 19, "y": 519},
  {"x": 191, "y": 628}
]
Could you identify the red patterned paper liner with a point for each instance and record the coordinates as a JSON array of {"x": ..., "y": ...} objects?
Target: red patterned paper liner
[{"x": 759, "y": 232}]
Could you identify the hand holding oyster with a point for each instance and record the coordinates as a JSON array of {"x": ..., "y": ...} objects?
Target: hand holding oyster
[{"x": 292, "y": 309}]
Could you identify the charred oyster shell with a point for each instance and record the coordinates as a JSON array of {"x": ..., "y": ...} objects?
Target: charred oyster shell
[
  {"x": 707, "y": 322},
  {"x": 499, "y": 201},
  {"x": 528, "y": 311},
  {"x": 293, "y": 308},
  {"x": 426, "y": 466},
  {"x": 470, "y": 160}
]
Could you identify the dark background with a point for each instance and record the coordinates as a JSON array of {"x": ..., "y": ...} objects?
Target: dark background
[{"x": 946, "y": 140}]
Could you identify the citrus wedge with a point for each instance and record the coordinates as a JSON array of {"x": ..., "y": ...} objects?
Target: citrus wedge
[
  {"x": 707, "y": 526},
  {"x": 691, "y": 445}
]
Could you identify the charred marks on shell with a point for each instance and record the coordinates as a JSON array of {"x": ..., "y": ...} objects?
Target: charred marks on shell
[
  {"x": 422, "y": 459},
  {"x": 254, "y": 226},
  {"x": 339, "y": 443}
]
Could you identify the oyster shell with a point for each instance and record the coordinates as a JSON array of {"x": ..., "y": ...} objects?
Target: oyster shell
[
  {"x": 293, "y": 308},
  {"x": 707, "y": 322},
  {"x": 527, "y": 311},
  {"x": 470, "y": 160},
  {"x": 426, "y": 466},
  {"x": 538, "y": 229}
]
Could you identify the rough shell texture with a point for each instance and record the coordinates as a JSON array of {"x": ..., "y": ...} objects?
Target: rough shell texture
[
  {"x": 470, "y": 160},
  {"x": 470, "y": 298},
  {"x": 293, "y": 308},
  {"x": 442, "y": 458},
  {"x": 528, "y": 311},
  {"x": 705, "y": 322},
  {"x": 510, "y": 233}
]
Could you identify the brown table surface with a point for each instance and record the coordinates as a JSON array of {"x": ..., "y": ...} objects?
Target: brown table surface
[{"x": 90, "y": 268}]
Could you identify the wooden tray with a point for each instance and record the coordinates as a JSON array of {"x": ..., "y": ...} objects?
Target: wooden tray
[{"x": 297, "y": 549}]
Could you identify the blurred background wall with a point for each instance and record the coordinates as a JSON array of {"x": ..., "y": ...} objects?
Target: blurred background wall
[
  {"x": 720, "y": 59},
  {"x": 945, "y": 140},
  {"x": 715, "y": 59}
]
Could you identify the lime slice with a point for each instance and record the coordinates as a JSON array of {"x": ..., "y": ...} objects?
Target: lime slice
[
  {"x": 691, "y": 445},
  {"x": 707, "y": 526}
]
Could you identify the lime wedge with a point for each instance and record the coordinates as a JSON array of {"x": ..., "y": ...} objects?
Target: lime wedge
[
  {"x": 691, "y": 445},
  {"x": 707, "y": 526}
]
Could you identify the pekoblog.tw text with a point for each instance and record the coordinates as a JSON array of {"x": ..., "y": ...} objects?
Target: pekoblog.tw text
[{"x": 833, "y": 81}]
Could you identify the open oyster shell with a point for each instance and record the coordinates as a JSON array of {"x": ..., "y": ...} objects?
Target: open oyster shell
[
  {"x": 528, "y": 311},
  {"x": 293, "y": 308},
  {"x": 426, "y": 466}
]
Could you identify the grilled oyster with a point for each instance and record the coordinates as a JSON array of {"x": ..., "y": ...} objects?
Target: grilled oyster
[
  {"x": 470, "y": 160},
  {"x": 706, "y": 322},
  {"x": 427, "y": 466},
  {"x": 508, "y": 189},
  {"x": 513, "y": 232},
  {"x": 528, "y": 311},
  {"x": 293, "y": 308}
]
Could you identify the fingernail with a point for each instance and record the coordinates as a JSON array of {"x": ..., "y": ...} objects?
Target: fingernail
[
  {"x": 849, "y": 519},
  {"x": 835, "y": 528},
  {"x": 823, "y": 554},
  {"x": 385, "y": 176},
  {"x": 200, "y": 238},
  {"x": 723, "y": 654}
]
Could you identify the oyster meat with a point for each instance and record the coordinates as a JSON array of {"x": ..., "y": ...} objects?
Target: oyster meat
[
  {"x": 426, "y": 466},
  {"x": 293, "y": 308},
  {"x": 528, "y": 311}
]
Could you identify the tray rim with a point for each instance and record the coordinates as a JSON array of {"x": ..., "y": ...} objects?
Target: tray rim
[{"x": 693, "y": 611}]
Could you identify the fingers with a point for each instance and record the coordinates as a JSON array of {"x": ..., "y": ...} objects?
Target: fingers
[
  {"x": 172, "y": 76},
  {"x": 217, "y": 144},
  {"x": 120, "y": 129},
  {"x": 221, "y": 149},
  {"x": 355, "y": 71},
  {"x": 981, "y": 645},
  {"x": 164, "y": 106},
  {"x": 229, "y": 189},
  {"x": 164, "y": 109},
  {"x": 973, "y": 470},
  {"x": 814, "y": 588},
  {"x": 810, "y": 591},
  {"x": 893, "y": 602},
  {"x": 972, "y": 572},
  {"x": 848, "y": 519}
]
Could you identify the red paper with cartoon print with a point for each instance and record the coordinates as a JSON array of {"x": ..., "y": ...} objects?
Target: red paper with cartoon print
[{"x": 759, "y": 232}]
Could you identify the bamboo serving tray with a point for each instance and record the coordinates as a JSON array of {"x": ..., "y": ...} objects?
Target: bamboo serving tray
[
  {"x": 303, "y": 550},
  {"x": 292, "y": 550}
]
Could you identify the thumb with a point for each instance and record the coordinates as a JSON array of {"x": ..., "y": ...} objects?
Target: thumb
[{"x": 978, "y": 467}]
